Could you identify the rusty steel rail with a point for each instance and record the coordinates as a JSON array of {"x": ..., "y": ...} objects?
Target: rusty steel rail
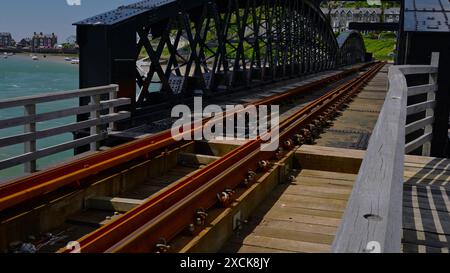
[
  {"x": 164, "y": 215},
  {"x": 75, "y": 173}
]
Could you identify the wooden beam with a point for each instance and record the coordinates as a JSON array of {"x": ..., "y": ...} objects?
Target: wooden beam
[
  {"x": 374, "y": 213},
  {"x": 329, "y": 159},
  {"x": 32, "y": 156},
  {"x": 420, "y": 107},
  {"x": 417, "y": 69},
  {"x": 48, "y": 97},
  {"x": 11, "y": 140},
  {"x": 416, "y": 143},
  {"x": 12, "y": 122},
  {"x": 422, "y": 89},
  {"x": 112, "y": 203},
  {"x": 419, "y": 124},
  {"x": 190, "y": 159}
]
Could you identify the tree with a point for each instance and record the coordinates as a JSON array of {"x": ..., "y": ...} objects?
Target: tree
[
  {"x": 331, "y": 5},
  {"x": 383, "y": 7},
  {"x": 67, "y": 46}
]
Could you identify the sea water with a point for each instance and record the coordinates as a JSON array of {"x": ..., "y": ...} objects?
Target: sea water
[{"x": 21, "y": 76}]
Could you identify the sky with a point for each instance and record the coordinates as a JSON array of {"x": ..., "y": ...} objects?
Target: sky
[{"x": 24, "y": 17}]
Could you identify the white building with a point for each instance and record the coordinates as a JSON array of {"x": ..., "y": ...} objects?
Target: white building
[{"x": 341, "y": 17}]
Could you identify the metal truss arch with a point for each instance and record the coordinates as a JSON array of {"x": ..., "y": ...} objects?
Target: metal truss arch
[
  {"x": 352, "y": 48},
  {"x": 203, "y": 47}
]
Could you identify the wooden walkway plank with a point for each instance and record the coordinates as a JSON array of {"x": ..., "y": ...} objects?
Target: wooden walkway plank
[{"x": 285, "y": 245}]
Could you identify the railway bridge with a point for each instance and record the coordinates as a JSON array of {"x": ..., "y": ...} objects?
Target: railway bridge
[{"x": 360, "y": 166}]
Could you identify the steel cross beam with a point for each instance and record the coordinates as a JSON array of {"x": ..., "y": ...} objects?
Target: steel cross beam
[{"x": 204, "y": 47}]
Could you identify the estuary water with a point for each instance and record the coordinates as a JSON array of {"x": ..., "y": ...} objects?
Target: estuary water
[{"x": 21, "y": 76}]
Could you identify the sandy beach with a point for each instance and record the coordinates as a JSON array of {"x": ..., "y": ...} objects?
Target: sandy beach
[{"x": 48, "y": 57}]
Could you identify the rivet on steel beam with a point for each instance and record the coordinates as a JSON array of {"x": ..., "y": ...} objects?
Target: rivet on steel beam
[
  {"x": 291, "y": 178},
  {"x": 307, "y": 135},
  {"x": 246, "y": 182},
  {"x": 200, "y": 217},
  {"x": 250, "y": 178},
  {"x": 191, "y": 229},
  {"x": 230, "y": 191},
  {"x": 263, "y": 164},
  {"x": 225, "y": 197},
  {"x": 299, "y": 139},
  {"x": 162, "y": 246},
  {"x": 279, "y": 153},
  {"x": 288, "y": 144}
]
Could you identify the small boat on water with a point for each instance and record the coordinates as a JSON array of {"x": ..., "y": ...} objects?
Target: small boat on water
[
  {"x": 67, "y": 59},
  {"x": 75, "y": 61},
  {"x": 35, "y": 58}
]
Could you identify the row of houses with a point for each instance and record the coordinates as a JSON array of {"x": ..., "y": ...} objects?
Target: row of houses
[
  {"x": 341, "y": 17},
  {"x": 41, "y": 40},
  {"x": 38, "y": 41}
]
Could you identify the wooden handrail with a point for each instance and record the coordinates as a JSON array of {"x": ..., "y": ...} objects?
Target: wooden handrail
[
  {"x": 372, "y": 221},
  {"x": 96, "y": 123},
  {"x": 54, "y": 96}
]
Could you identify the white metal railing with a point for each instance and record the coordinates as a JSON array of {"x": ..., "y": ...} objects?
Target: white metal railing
[
  {"x": 30, "y": 118},
  {"x": 372, "y": 221}
]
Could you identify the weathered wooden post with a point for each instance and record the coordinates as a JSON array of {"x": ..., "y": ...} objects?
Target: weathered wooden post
[
  {"x": 30, "y": 145},
  {"x": 94, "y": 115},
  {"x": 431, "y": 96},
  {"x": 113, "y": 96}
]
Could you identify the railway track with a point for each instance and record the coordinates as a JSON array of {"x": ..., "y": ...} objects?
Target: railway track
[
  {"x": 169, "y": 208},
  {"x": 73, "y": 173}
]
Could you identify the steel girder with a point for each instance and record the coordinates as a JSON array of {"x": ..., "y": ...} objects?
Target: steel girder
[{"x": 204, "y": 46}]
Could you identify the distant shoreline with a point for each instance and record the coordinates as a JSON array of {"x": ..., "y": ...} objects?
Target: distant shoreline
[{"x": 49, "y": 57}]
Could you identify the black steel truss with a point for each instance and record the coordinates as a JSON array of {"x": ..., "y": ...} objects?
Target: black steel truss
[{"x": 208, "y": 46}]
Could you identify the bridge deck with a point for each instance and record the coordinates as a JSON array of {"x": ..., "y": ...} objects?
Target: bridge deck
[
  {"x": 353, "y": 128},
  {"x": 426, "y": 205},
  {"x": 304, "y": 216}
]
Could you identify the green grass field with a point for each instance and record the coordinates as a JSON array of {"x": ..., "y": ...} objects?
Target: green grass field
[
  {"x": 381, "y": 45},
  {"x": 382, "y": 49}
]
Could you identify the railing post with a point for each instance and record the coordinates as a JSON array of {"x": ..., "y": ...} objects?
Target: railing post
[
  {"x": 30, "y": 146},
  {"x": 431, "y": 96},
  {"x": 95, "y": 130},
  {"x": 113, "y": 96}
]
